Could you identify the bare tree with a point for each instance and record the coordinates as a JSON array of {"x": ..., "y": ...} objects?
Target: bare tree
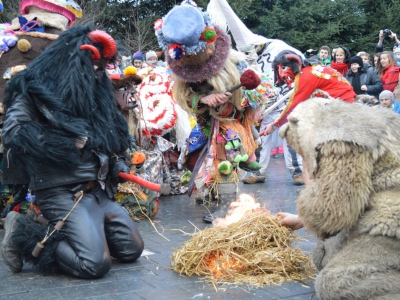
[{"x": 139, "y": 32}]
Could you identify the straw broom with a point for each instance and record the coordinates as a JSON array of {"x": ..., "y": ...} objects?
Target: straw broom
[{"x": 255, "y": 250}]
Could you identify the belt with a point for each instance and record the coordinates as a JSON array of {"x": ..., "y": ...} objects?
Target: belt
[{"x": 86, "y": 187}]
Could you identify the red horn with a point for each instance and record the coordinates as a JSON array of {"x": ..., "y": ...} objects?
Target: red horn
[
  {"x": 109, "y": 45},
  {"x": 294, "y": 57},
  {"x": 95, "y": 52}
]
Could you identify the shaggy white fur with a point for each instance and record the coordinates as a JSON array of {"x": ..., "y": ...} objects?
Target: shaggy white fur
[{"x": 353, "y": 155}]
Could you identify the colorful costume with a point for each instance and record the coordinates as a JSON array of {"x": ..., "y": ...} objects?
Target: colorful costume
[
  {"x": 39, "y": 24},
  {"x": 309, "y": 80},
  {"x": 63, "y": 131},
  {"x": 260, "y": 53},
  {"x": 203, "y": 65}
]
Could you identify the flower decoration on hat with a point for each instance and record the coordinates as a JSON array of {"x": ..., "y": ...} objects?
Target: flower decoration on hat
[
  {"x": 175, "y": 51},
  {"x": 185, "y": 30},
  {"x": 209, "y": 35}
]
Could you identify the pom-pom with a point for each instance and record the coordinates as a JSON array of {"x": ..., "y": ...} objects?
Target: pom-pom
[
  {"x": 115, "y": 76},
  {"x": 158, "y": 24},
  {"x": 225, "y": 167},
  {"x": 250, "y": 80},
  {"x": 175, "y": 51},
  {"x": 209, "y": 35},
  {"x": 130, "y": 70},
  {"x": 138, "y": 158},
  {"x": 23, "y": 45},
  {"x": 185, "y": 178}
]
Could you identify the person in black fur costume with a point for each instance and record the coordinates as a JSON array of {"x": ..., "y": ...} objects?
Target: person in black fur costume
[{"x": 63, "y": 129}]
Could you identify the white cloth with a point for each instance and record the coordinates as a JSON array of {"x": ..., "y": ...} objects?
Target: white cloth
[{"x": 293, "y": 161}]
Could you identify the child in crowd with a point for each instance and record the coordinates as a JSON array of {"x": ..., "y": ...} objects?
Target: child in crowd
[
  {"x": 151, "y": 58},
  {"x": 137, "y": 60}
]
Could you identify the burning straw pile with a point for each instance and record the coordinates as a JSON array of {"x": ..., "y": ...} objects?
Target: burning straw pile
[{"x": 254, "y": 250}]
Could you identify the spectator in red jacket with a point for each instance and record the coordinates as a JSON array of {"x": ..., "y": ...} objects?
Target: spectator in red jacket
[{"x": 387, "y": 70}]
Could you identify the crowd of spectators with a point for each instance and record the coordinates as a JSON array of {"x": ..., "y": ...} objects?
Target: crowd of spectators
[{"x": 366, "y": 77}]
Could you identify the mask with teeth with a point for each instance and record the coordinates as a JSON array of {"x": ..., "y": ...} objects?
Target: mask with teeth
[{"x": 286, "y": 74}]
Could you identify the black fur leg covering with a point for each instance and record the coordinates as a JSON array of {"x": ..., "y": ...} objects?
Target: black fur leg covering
[{"x": 28, "y": 234}]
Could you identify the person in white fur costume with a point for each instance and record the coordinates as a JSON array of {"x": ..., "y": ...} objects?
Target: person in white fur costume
[{"x": 352, "y": 153}]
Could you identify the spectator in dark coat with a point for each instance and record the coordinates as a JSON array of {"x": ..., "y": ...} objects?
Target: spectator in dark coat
[{"x": 363, "y": 80}]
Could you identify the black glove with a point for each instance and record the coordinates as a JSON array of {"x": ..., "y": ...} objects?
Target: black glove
[{"x": 119, "y": 166}]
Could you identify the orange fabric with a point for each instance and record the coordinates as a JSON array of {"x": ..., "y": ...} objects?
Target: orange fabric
[{"x": 138, "y": 158}]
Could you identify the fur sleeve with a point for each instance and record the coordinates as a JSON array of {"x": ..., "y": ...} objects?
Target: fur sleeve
[{"x": 341, "y": 189}]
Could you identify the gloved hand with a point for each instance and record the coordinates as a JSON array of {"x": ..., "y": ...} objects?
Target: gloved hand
[{"x": 119, "y": 166}]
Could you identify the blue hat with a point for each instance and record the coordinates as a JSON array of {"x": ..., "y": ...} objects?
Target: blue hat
[
  {"x": 185, "y": 30},
  {"x": 138, "y": 56}
]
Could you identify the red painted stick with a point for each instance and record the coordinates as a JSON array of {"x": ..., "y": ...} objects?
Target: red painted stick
[{"x": 164, "y": 189}]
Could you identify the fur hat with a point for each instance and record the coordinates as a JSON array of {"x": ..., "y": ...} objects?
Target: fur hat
[
  {"x": 386, "y": 94},
  {"x": 138, "y": 56},
  {"x": 68, "y": 8},
  {"x": 195, "y": 49},
  {"x": 185, "y": 30},
  {"x": 356, "y": 60},
  {"x": 151, "y": 54}
]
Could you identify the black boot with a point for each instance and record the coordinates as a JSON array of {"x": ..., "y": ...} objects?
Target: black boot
[
  {"x": 222, "y": 209},
  {"x": 21, "y": 238},
  {"x": 11, "y": 251}
]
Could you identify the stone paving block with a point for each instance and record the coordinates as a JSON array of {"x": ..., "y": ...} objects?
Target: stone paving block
[
  {"x": 160, "y": 293},
  {"x": 26, "y": 295},
  {"x": 291, "y": 289},
  {"x": 203, "y": 290},
  {"x": 11, "y": 287},
  {"x": 117, "y": 296},
  {"x": 166, "y": 277}
]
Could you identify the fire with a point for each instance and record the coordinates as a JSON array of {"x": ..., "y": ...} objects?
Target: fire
[
  {"x": 246, "y": 204},
  {"x": 219, "y": 265}
]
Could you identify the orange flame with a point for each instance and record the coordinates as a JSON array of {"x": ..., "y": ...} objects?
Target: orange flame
[
  {"x": 246, "y": 204},
  {"x": 219, "y": 265}
]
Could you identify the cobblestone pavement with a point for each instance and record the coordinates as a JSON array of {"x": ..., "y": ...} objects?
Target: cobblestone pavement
[{"x": 149, "y": 278}]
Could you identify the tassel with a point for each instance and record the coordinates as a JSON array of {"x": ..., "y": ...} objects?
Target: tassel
[
  {"x": 38, "y": 249},
  {"x": 59, "y": 225}
]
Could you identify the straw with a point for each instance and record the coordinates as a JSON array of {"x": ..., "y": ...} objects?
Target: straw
[{"x": 255, "y": 250}]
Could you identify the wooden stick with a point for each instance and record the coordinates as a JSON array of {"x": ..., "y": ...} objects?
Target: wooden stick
[{"x": 277, "y": 103}]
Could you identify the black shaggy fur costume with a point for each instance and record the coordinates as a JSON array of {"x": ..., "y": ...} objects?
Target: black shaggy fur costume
[
  {"x": 28, "y": 234},
  {"x": 74, "y": 102}
]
